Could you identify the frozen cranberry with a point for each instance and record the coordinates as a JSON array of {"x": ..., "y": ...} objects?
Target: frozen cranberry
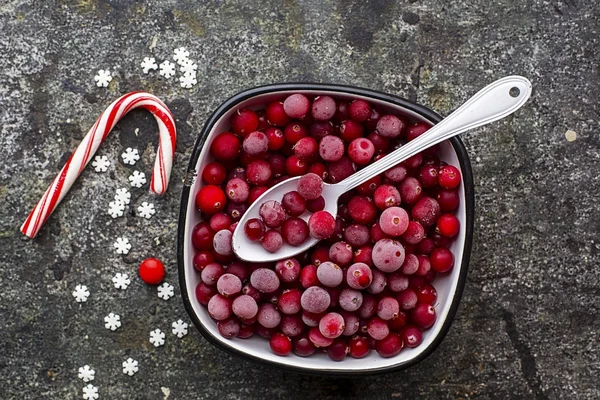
[
  {"x": 368, "y": 307},
  {"x": 428, "y": 175},
  {"x": 424, "y": 265},
  {"x": 315, "y": 300},
  {"x": 272, "y": 241},
  {"x": 449, "y": 177},
  {"x": 292, "y": 325},
  {"x": 423, "y": 315},
  {"x": 425, "y": 246},
  {"x": 294, "y": 166},
  {"x": 319, "y": 255},
  {"x": 358, "y": 347},
  {"x": 255, "y": 143},
  {"x": 362, "y": 209},
  {"x": 323, "y": 108},
  {"x": 357, "y": 235},
  {"x": 382, "y": 144},
  {"x": 389, "y": 346},
  {"x": 410, "y": 190},
  {"x": 442, "y": 260},
  {"x": 331, "y": 148},
  {"x": 202, "y": 236},
  {"x": 416, "y": 130},
  {"x": 265, "y": 332},
  {"x": 414, "y": 233},
  {"x": 294, "y": 132},
  {"x": 310, "y": 186},
  {"x": 258, "y": 172},
  {"x": 411, "y": 336},
  {"x": 226, "y": 146},
  {"x": 308, "y": 276},
  {"x": 220, "y": 221},
  {"x": 388, "y": 255},
  {"x": 321, "y": 225},
  {"x": 280, "y": 344},
  {"x": 331, "y": 325},
  {"x": 294, "y": 231},
  {"x": 396, "y": 174},
  {"x": 288, "y": 270},
  {"x": 377, "y": 328},
  {"x": 320, "y": 129},
  {"x": 388, "y": 308},
  {"x": 210, "y": 199},
  {"x": 342, "y": 112},
  {"x": 361, "y": 151},
  {"x": 394, "y": 221},
  {"x": 351, "y": 130},
  {"x": 341, "y": 253},
  {"x": 289, "y": 301},
  {"x": 262, "y": 120},
  {"x": 386, "y": 196},
  {"x": 306, "y": 148},
  {"x": 296, "y": 105},
  {"x": 293, "y": 203},
  {"x": 447, "y": 225},
  {"x": 202, "y": 259},
  {"x": 275, "y": 137},
  {"x": 410, "y": 265},
  {"x": 360, "y": 110},
  {"x": 246, "y": 331},
  {"x": 219, "y": 307},
  {"x": 426, "y": 211},
  {"x": 407, "y": 298},
  {"x": 276, "y": 114},
  {"x": 237, "y": 190},
  {"x": 272, "y": 213},
  {"x": 379, "y": 282},
  {"x": 341, "y": 169},
  {"x": 204, "y": 293},
  {"x": 222, "y": 242},
  {"x": 214, "y": 173},
  {"x": 390, "y": 126},
  {"x": 244, "y": 121}
]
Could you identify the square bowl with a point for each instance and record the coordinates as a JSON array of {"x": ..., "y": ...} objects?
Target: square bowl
[{"x": 449, "y": 286}]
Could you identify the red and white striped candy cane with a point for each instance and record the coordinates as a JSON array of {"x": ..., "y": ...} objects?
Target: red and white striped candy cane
[{"x": 86, "y": 149}]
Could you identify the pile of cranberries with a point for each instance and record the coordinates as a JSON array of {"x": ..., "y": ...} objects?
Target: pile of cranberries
[{"x": 367, "y": 285}]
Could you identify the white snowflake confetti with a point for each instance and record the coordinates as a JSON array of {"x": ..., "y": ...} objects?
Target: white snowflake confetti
[
  {"x": 188, "y": 80},
  {"x": 148, "y": 64},
  {"x": 90, "y": 392},
  {"x": 146, "y": 210},
  {"x": 103, "y": 78},
  {"x": 188, "y": 67},
  {"x": 123, "y": 196},
  {"x": 157, "y": 338},
  {"x": 130, "y": 366},
  {"x": 122, "y": 245},
  {"x": 181, "y": 55},
  {"x": 100, "y": 163},
  {"x": 130, "y": 156},
  {"x": 166, "y": 291},
  {"x": 112, "y": 321},
  {"x": 180, "y": 328},
  {"x": 116, "y": 209},
  {"x": 121, "y": 281},
  {"x": 137, "y": 179},
  {"x": 86, "y": 374},
  {"x": 167, "y": 69},
  {"x": 81, "y": 293}
]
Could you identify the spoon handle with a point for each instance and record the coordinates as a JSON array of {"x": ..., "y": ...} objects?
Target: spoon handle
[{"x": 495, "y": 101}]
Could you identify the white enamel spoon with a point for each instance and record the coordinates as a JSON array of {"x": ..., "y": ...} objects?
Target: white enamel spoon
[{"x": 494, "y": 102}]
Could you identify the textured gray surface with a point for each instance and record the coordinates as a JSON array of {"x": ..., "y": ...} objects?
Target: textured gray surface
[{"x": 528, "y": 323}]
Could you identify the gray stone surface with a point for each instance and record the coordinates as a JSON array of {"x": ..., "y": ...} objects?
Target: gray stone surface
[{"x": 528, "y": 323}]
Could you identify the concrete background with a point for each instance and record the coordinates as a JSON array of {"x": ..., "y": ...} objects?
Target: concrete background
[{"x": 528, "y": 323}]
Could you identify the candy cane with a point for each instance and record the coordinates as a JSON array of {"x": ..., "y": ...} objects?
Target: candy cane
[{"x": 86, "y": 149}]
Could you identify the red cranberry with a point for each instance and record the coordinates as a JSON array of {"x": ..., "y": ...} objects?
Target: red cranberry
[
  {"x": 411, "y": 336},
  {"x": 294, "y": 132},
  {"x": 226, "y": 146},
  {"x": 357, "y": 235},
  {"x": 303, "y": 347},
  {"x": 363, "y": 255},
  {"x": 448, "y": 199},
  {"x": 337, "y": 350},
  {"x": 341, "y": 169},
  {"x": 382, "y": 144},
  {"x": 310, "y": 186},
  {"x": 237, "y": 172},
  {"x": 315, "y": 205},
  {"x": 294, "y": 231},
  {"x": 362, "y": 209},
  {"x": 442, "y": 260},
  {"x": 306, "y": 149},
  {"x": 220, "y": 221},
  {"x": 258, "y": 172},
  {"x": 426, "y": 211},
  {"x": 210, "y": 199},
  {"x": 255, "y": 193},
  {"x": 358, "y": 347},
  {"x": 447, "y": 225},
  {"x": 351, "y": 130},
  {"x": 342, "y": 112},
  {"x": 319, "y": 169},
  {"x": 320, "y": 129},
  {"x": 308, "y": 276},
  {"x": 416, "y": 130},
  {"x": 390, "y": 346},
  {"x": 294, "y": 166},
  {"x": 423, "y": 315},
  {"x": 323, "y": 108},
  {"x": 246, "y": 331},
  {"x": 360, "y": 110},
  {"x": 410, "y": 265},
  {"x": 236, "y": 210},
  {"x": 262, "y": 120},
  {"x": 426, "y": 294},
  {"x": 202, "y": 259},
  {"x": 428, "y": 175},
  {"x": 296, "y": 105},
  {"x": 390, "y": 126},
  {"x": 280, "y": 344},
  {"x": 244, "y": 121},
  {"x": 368, "y": 188},
  {"x": 276, "y": 114},
  {"x": 275, "y": 137},
  {"x": 320, "y": 255},
  {"x": 272, "y": 241},
  {"x": 204, "y": 293},
  {"x": 254, "y": 229},
  {"x": 202, "y": 236},
  {"x": 410, "y": 190},
  {"x": 371, "y": 122},
  {"x": 425, "y": 246},
  {"x": 214, "y": 173},
  {"x": 331, "y": 148},
  {"x": 449, "y": 177},
  {"x": 293, "y": 203},
  {"x": 321, "y": 225}
]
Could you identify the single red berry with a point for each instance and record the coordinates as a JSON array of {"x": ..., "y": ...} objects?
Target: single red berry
[
  {"x": 211, "y": 199},
  {"x": 416, "y": 130},
  {"x": 447, "y": 225},
  {"x": 296, "y": 105},
  {"x": 442, "y": 260},
  {"x": 152, "y": 271},
  {"x": 294, "y": 166},
  {"x": 244, "y": 121},
  {"x": 351, "y": 130},
  {"x": 294, "y": 132},
  {"x": 202, "y": 236},
  {"x": 426, "y": 294},
  {"x": 214, "y": 173},
  {"x": 449, "y": 177},
  {"x": 358, "y": 347},
  {"x": 448, "y": 199},
  {"x": 262, "y": 121},
  {"x": 360, "y": 110},
  {"x": 319, "y": 169},
  {"x": 276, "y": 114},
  {"x": 275, "y": 137},
  {"x": 202, "y": 259},
  {"x": 226, "y": 146},
  {"x": 280, "y": 344},
  {"x": 423, "y": 315},
  {"x": 254, "y": 229},
  {"x": 390, "y": 345}
]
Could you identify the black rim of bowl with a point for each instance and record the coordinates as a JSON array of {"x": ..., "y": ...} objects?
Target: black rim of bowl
[{"x": 467, "y": 175}]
